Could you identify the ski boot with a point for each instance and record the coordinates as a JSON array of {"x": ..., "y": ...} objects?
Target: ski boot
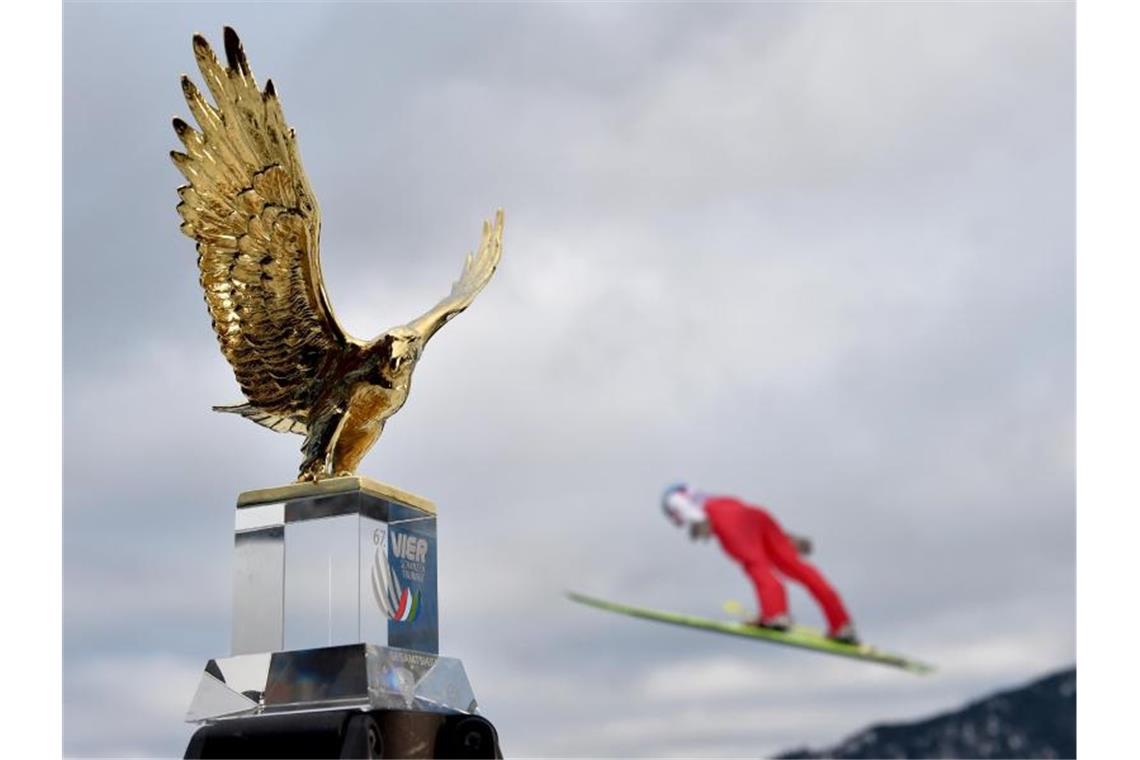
[
  {"x": 845, "y": 634},
  {"x": 781, "y": 623}
]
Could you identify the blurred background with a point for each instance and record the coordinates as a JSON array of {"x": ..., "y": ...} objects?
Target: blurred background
[{"x": 816, "y": 256}]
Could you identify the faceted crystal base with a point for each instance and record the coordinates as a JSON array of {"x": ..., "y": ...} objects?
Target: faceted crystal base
[{"x": 362, "y": 676}]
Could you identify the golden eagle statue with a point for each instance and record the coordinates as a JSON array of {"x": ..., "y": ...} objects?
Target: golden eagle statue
[{"x": 249, "y": 206}]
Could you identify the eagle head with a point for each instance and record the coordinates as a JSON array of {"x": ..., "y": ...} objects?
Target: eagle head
[{"x": 400, "y": 350}]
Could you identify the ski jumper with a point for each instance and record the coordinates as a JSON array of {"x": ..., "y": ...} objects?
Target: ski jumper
[{"x": 753, "y": 538}]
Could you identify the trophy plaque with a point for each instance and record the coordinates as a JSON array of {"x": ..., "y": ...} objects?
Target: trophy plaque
[{"x": 335, "y": 642}]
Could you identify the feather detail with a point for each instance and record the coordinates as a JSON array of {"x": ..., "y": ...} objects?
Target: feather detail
[
  {"x": 278, "y": 423},
  {"x": 249, "y": 207}
]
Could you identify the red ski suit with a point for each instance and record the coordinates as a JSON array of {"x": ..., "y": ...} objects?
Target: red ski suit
[{"x": 754, "y": 539}]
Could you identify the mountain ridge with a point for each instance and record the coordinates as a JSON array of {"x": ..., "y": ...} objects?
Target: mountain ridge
[{"x": 1037, "y": 720}]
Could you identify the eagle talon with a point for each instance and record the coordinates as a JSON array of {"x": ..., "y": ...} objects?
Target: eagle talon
[{"x": 312, "y": 476}]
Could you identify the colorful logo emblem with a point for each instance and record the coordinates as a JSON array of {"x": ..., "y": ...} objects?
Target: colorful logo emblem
[{"x": 394, "y": 599}]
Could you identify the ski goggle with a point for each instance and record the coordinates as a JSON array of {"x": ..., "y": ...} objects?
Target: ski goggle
[{"x": 674, "y": 516}]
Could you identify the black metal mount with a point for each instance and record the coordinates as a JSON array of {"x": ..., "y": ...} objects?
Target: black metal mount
[{"x": 348, "y": 734}]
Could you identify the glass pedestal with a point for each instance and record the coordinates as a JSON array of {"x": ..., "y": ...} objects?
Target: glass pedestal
[{"x": 335, "y": 606}]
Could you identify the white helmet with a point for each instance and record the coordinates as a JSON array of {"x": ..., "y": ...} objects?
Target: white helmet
[{"x": 682, "y": 505}]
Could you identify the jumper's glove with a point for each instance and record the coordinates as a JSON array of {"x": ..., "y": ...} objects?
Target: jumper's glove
[
  {"x": 802, "y": 544},
  {"x": 699, "y": 531}
]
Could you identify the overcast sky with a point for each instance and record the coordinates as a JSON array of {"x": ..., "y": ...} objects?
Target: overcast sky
[{"x": 817, "y": 256}]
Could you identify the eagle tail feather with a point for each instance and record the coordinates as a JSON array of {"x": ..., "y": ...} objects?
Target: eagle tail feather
[{"x": 279, "y": 423}]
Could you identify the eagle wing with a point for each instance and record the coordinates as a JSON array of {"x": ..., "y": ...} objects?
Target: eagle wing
[
  {"x": 249, "y": 207},
  {"x": 477, "y": 270}
]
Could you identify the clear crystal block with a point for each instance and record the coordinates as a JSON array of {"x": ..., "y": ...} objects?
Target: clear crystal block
[
  {"x": 317, "y": 567},
  {"x": 334, "y": 606}
]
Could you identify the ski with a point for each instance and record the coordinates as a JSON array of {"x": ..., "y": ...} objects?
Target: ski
[{"x": 798, "y": 636}]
